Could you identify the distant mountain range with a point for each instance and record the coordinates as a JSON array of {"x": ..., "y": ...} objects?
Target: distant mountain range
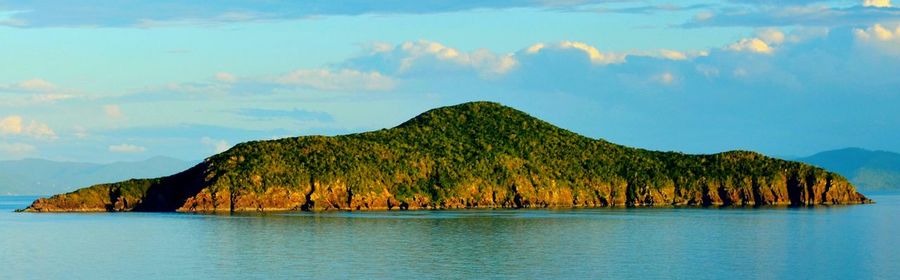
[
  {"x": 869, "y": 171},
  {"x": 39, "y": 177}
]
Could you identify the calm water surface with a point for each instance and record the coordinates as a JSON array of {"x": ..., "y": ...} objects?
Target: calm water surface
[{"x": 848, "y": 242}]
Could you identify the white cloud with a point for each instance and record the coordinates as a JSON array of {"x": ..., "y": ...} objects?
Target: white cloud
[
  {"x": 666, "y": 78},
  {"x": 879, "y": 37},
  {"x": 592, "y": 53},
  {"x": 673, "y": 55},
  {"x": 765, "y": 41},
  {"x": 878, "y": 32},
  {"x": 218, "y": 145},
  {"x": 33, "y": 91},
  {"x": 771, "y": 36},
  {"x": 341, "y": 80},
  {"x": 113, "y": 111},
  {"x": 754, "y": 45},
  {"x": 810, "y": 13},
  {"x": 428, "y": 48},
  {"x": 41, "y": 98},
  {"x": 702, "y": 16},
  {"x": 40, "y": 131},
  {"x": 16, "y": 149},
  {"x": 413, "y": 57},
  {"x": 226, "y": 77},
  {"x": 126, "y": 148},
  {"x": 32, "y": 85},
  {"x": 380, "y": 47},
  {"x": 11, "y": 125},
  {"x": 80, "y": 132},
  {"x": 877, "y": 3},
  {"x": 14, "y": 125},
  {"x": 667, "y": 54},
  {"x": 536, "y": 48},
  {"x": 36, "y": 85},
  {"x": 421, "y": 59},
  {"x": 490, "y": 64},
  {"x": 707, "y": 70}
]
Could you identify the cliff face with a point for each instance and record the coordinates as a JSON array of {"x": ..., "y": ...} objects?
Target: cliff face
[{"x": 474, "y": 155}]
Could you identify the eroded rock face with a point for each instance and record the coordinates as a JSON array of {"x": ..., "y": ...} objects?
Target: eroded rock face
[
  {"x": 475, "y": 155},
  {"x": 337, "y": 195}
]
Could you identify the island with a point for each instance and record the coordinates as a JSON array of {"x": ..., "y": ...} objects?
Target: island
[{"x": 471, "y": 155}]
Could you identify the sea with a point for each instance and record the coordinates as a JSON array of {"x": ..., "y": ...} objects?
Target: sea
[{"x": 826, "y": 242}]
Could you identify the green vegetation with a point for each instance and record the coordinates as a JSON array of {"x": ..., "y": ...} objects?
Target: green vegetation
[{"x": 475, "y": 155}]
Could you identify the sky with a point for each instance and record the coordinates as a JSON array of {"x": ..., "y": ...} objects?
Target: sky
[{"x": 103, "y": 81}]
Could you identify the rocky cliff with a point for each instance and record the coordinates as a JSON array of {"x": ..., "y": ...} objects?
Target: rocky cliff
[{"x": 472, "y": 155}]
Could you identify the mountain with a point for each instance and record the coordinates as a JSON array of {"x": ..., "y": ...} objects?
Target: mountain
[
  {"x": 38, "y": 176},
  {"x": 472, "y": 155},
  {"x": 869, "y": 170}
]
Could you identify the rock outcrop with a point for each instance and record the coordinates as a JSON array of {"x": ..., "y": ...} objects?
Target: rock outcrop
[{"x": 473, "y": 155}]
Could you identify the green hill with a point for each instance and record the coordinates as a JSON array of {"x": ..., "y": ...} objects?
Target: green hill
[
  {"x": 472, "y": 155},
  {"x": 871, "y": 171}
]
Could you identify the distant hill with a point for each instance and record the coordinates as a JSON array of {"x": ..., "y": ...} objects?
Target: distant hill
[
  {"x": 40, "y": 177},
  {"x": 472, "y": 155},
  {"x": 868, "y": 170}
]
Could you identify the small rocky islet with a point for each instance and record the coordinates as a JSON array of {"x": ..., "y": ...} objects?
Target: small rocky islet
[{"x": 471, "y": 155}]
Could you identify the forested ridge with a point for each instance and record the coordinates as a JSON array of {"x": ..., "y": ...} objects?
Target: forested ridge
[{"x": 472, "y": 155}]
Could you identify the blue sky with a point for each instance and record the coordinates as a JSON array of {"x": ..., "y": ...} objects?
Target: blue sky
[{"x": 104, "y": 81}]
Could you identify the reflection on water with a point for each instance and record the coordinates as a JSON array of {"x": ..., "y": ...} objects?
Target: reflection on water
[{"x": 825, "y": 242}]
